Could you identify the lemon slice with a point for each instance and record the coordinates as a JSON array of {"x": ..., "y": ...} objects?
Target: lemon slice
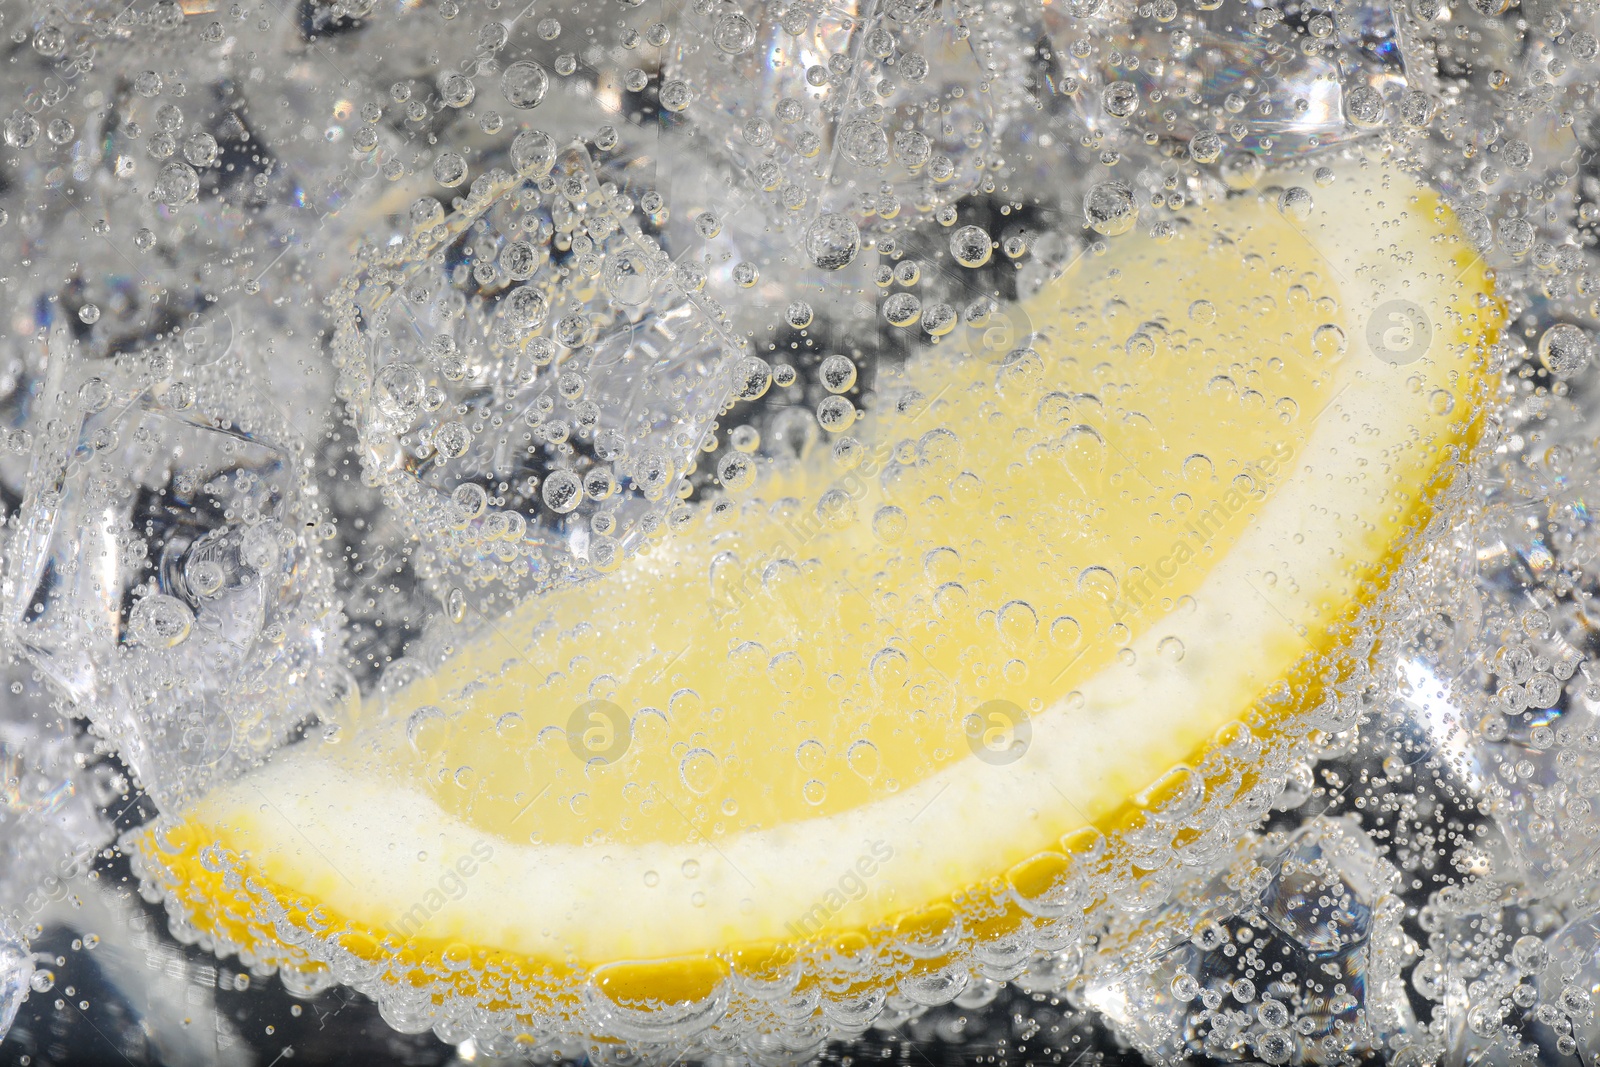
[{"x": 871, "y": 697}]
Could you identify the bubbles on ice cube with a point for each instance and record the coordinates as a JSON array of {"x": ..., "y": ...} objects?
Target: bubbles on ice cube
[
  {"x": 1270, "y": 85},
  {"x": 532, "y": 387},
  {"x": 137, "y": 485},
  {"x": 16, "y": 977},
  {"x": 1303, "y": 931},
  {"x": 809, "y": 108}
]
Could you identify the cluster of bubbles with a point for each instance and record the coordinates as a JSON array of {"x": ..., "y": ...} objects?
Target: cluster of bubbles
[{"x": 591, "y": 273}]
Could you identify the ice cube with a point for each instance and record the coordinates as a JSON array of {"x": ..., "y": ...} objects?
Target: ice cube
[
  {"x": 831, "y": 109},
  {"x": 1267, "y": 85},
  {"x": 16, "y": 968},
  {"x": 1290, "y": 954},
  {"x": 530, "y": 424},
  {"x": 162, "y": 574},
  {"x": 53, "y": 801}
]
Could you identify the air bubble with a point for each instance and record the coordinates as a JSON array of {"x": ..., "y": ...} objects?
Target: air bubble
[
  {"x": 1565, "y": 349},
  {"x": 1242, "y": 170},
  {"x": 452, "y": 439},
  {"x": 533, "y": 153},
  {"x": 736, "y": 471},
  {"x": 832, "y": 241},
  {"x": 200, "y": 149},
  {"x": 902, "y": 309},
  {"x": 457, "y": 90},
  {"x": 836, "y": 414},
  {"x": 524, "y": 84},
  {"x": 398, "y": 390},
  {"x": 1205, "y": 148},
  {"x": 1120, "y": 99},
  {"x": 160, "y": 621},
  {"x": 177, "y": 183},
  {"x": 470, "y": 499},
  {"x": 734, "y": 33},
  {"x": 1416, "y": 108},
  {"x": 628, "y": 277},
  {"x": 1530, "y": 954},
  {"x": 1295, "y": 202},
  {"x": 1110, "y": 209},
  {"x": 449, "y": 170},
  {"x": 971, "y": 246},
  {"x": 526, "y": 308},
  {"x": 699, "y": 771},
  {"x": 676, "y": 96},
  {"x": 837, "y": 373},
  {"x": 889, "y": 523},
  {"x": 50, "y": 40},
  {"x": 1364, "y": 106},
  {"x": 562, "y": 491},
  {"x": 752, "y": 377}
]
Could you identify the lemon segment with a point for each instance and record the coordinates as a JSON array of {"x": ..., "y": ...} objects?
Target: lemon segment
[{"x": 1044, "y": 583}]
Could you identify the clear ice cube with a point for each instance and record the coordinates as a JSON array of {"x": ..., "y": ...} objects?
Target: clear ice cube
[
  {"x": 529, "y": 420},
  {"x": 162, "y": 574},
  {"x": 16, "y": 968},
  {"x": 1291, "y": 954}
]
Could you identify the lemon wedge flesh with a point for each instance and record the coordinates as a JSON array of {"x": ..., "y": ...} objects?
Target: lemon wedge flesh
[{"x": 861, "y": 691}]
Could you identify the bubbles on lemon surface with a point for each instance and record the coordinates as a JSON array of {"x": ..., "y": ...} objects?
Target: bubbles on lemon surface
[
  {"x": 1296, "y": 203},
  {"x": 699, "y": 770}
]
